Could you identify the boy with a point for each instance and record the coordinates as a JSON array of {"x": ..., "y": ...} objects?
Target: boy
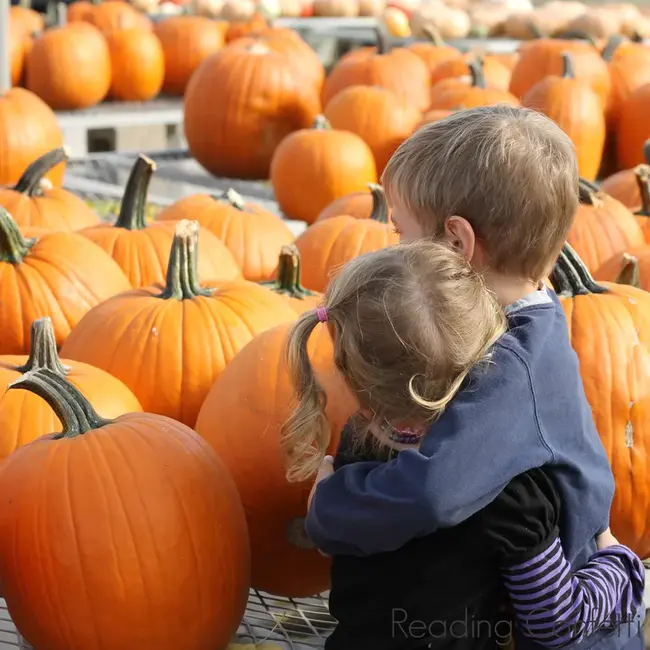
[{"x": 501, "y": 185}]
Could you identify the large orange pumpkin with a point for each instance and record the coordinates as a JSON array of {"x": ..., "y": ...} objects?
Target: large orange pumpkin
[
  {"x": 142, "y": 249},
  {"x": 135, "y": 520},
  {"x": 312, "y": 167},
  {"x": 495, "y": 74},
  {"x": 578, "y": 111},
  {"x": 261, "y": 101},
  {"x": 602, "y": 228},
  {"x": 183, "y": 334},
  {"x": 32, "y": 20},
  {"x": 253, "y": 235},
  {"x": 356, "y": 204},
  {"x": 241, "y": 418},
  {"x": 327, "y": 245},
  {"x": 609, "y": 326},
  {"x": 633, "y": 127},
  {"x": 33, "y": 202},
  {"x": 25, "y": 418},
  {"x": 382, "y": 119},
  {"x": 399, "y": 70},
  {"x": 28, "y": 129},
  {"x": 57, "y": 274}
]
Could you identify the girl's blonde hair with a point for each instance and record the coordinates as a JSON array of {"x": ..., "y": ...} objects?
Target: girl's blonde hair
[{"x": 408, "y": 323}]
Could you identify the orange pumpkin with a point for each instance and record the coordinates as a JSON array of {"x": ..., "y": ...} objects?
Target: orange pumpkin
[
  {"x": 609, "y": 326},
  {"x": 241, "y": 28},
  {"x": 31, "y": 20},
  {"x": 253, "y": 235},
  {"x": 115, "y": 16},
  {"x": 28, "y": 129},
  {"x": 187, "y": 332},
  {"x": 138, "y": 65},
  {"x": 142, "y": 249},
  {"x": 602, "y": 227},
  {"x": 380, "y": 118},
  {"x": 18, "y": 38},
  {"x": 631, "y": 268},
  {"x": 24, "y": 417},
  {"x": 578, "y": 111},
  {"x": 69, "y": 67},
  {"x": 452, "y": 93},
  {"x": 135, "y": 519},
  {"x": 240, "y": 143},
  {"x": 434, "y": 50},
  {"x": 287, "y": 282},
  {"x": 33, "y": 202},
  {"x": 241, "y": 418},
  {"x": 434, "y": 115},
  {"x": 328, "y": 244},
  {"x": 495, "y": 74},
  {"x": 59, "y": 274},
  {"x": 399, "y": 70},
  {"x": 624, "y": 185},
  {"x": 633, "y": 127},
  {"x": 312, "y": 167},
  {"x": 186, "y": 42},
  {"x": 356, "y": 204}
]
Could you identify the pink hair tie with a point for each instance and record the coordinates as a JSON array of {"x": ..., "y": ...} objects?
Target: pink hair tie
[{"x": 321, "y": 314}]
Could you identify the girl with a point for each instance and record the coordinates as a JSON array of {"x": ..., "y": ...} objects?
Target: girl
[{"x": 411, "y": 325}]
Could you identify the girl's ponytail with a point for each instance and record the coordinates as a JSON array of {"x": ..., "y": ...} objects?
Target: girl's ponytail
[{"x": 306, "y": 434}]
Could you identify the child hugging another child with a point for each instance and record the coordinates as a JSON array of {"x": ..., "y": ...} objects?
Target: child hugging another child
[{"x": 472, "y": 474}]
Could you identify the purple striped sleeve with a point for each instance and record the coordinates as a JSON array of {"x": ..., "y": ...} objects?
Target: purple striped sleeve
[{"x": 556, "y": 607}]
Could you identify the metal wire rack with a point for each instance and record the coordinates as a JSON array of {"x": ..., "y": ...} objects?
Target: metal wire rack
[{"x": 294, "y": 624}]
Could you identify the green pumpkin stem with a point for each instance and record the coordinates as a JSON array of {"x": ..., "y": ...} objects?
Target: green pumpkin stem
[
  {"x": 379, "y": 210},
  {"x": 30, "y": 182},
  {"x": 589, "y": 193},
  {"x": 383, "y": 40},
  {"x": 568, "y": 71},
  {"x": 182, "y": 274},
  {"x": 646, "y": 151},
  {"x": 613, "y": 44},
  {"x": 570, "y": 276},
  {"x": 42, "y": 351},
  {"x": 73, "y": 410},
  {"x": 476, "y": 72},
  {"x": 629, "y": 274},
  {"x": 13, "y": 246},
  {"x": 433, "y": 36},
  {"x": 287, "y": 282},
  {"x": 321, "y": 123},
  {"x": 642, "y": 174},
  {"x": 133, "y": 211}
]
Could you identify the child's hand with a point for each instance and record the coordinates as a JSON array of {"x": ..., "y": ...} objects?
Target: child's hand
[
  {"x": 606, "y": 539},
  {"x": 326, "y": 469}
]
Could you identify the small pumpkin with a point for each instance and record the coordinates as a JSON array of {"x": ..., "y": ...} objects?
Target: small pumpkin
[
  {"x": 451, "y": 93},
  {"x": 624, "y": 185},
  {"x": 631, "y": 268},
  {"x": 380, "y": 118},
  {"x": 136, "y": 519},
  {"x": 24, "y": 417},
  {"x": 633, "y": 127},
  {"x": 33, "y": 202},
  {"x": 495, "y": 74},
  {"x": 58, "y": 274},
  {"x": 434, "y": 50},
  {"x": 28, "y": 129},
  {"x": 609, "y": 327},
  {"x": 578, "y": 111},
  {"x": 327, "y": 245},
  {"x": 287, "y": 282},
  {"x": 253, "y": 235},
  {"x": 356, "y": 204},
  {"x": 116, "y": 16},
  {"x": 182, "y": 331},
  {"x": 396, "y": 69},
  {"x": 246, "y": 27},
  {"x": 241, "y": 418},
  {"x": 32, "y": 20},
  {"x": 312, "y": 167},
  {"x": 602, "y": 227}
]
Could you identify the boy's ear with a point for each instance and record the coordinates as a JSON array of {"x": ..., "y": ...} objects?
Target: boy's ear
[{"x": 460, "y": 234}]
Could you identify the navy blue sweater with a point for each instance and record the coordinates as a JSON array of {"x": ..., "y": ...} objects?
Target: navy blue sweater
[{"x": 527, "y": 409}]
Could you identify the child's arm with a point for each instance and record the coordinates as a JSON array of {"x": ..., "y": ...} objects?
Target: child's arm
[
  {"x": 487, "y": 436},
  {"x": 554, "y": 606}
]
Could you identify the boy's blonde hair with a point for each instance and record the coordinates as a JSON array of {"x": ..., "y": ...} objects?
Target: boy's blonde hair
[
  {"x": 408, "y": 323},
  {"x": 511, "y": 172}
]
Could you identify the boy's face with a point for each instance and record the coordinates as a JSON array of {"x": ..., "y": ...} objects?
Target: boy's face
[{"x": 406, "y": 225}]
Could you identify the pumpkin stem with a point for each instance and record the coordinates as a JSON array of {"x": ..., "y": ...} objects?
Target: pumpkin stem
[
  {"x": 133, "y": 211},
  {"x": 568, "y": 71},
  {"x": 30, "y": 183},
  {"x": 476, "y": 71},
  {"x": 379, "y": 204},
  {"x": 642, "y": 174},
  {"x": 321, "y": 123},
  {"x": 72, "y": 409},
  {"x": 42, "y": 351},
  {"x": 61, "y": 14},
  {"x": 383, "y": 40},
  {"x": 637, "y": 37},
  {"x": 646, "y": 151},
  {"x": 570, "y": 276},
  {"x": 589, "y": 193},
  {"x": 234, "y": 199},
  {"x": 182, "y": 275},
  {"x": 613, "y": 44},
  {"x": 13, "y": 246},
  {"x": 433, "y": 36},
  {"x": 287, "y": 280},
  {"x": 535, "y": 29},
  {"x": 629, "y": 274}
]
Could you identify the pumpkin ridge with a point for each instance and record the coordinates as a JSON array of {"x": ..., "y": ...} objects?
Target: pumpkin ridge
[
  {"x": 30, "y": 181},
  {"x": 43, "y": 352},
  {"x": 134, "y": 201},
  {"x": 287, "y": 281},
  {"x": 13, "y": 246}
]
